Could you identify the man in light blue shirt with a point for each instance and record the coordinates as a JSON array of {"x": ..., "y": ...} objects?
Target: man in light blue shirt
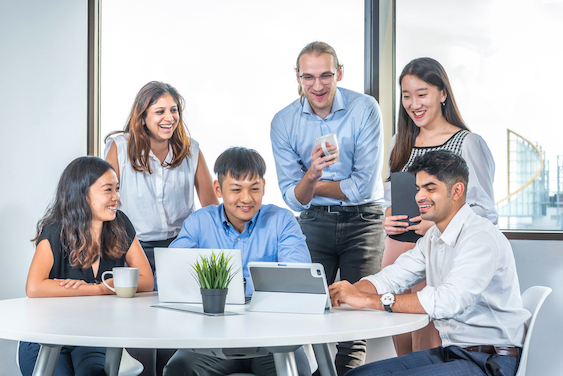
[
  {"x": 338, "y": 195},
  {"x": 261, "y": 232}
]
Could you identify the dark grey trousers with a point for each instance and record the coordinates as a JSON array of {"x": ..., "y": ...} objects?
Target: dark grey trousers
[{"x": 353, "y": 243}]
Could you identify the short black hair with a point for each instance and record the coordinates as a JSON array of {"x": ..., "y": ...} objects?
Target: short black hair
[
  {"x": 240, "y": 163},
  {"x": 445, "y": 165}
]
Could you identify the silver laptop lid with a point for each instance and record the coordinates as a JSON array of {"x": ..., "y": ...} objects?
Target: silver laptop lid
[{"x": 176, "y": 283}]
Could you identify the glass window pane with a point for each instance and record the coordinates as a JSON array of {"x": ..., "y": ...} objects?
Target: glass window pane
[
  {"x": 233, "y": 61},
  {"x": 501, "y": 58}
]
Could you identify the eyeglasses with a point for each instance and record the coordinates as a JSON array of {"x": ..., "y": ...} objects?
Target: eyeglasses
[{"x": 308, "y": 79}]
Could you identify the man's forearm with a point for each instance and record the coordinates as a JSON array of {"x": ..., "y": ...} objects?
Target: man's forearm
[
  {"x": 330, "y": 189},
  {"x": 405, "y": 303},
  {"x": 305, "y": 189}
]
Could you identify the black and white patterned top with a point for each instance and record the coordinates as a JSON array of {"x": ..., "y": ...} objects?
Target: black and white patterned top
[
  {"x": 454, "y": 144},
  {"x": 474, "y": 150}
]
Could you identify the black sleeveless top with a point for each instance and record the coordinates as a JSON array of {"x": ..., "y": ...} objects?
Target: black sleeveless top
[{"x": 61, "y": 265}]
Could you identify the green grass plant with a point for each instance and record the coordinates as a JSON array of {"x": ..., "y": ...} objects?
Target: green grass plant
[{"x": 214, "y": 271}]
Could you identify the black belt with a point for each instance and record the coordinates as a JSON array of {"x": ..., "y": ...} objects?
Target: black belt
[
  {"x": 490, "y": 349},
  {"x": 371, "y": 208}
]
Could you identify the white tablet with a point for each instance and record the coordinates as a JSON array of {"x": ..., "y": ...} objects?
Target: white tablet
[{"x": 289, "y": 287}]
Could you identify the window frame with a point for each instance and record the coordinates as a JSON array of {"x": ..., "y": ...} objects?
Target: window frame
[{"x": 379, "y": 81}]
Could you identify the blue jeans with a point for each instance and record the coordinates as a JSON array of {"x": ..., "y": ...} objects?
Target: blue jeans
[
  {"x": 451, "y": 360},
  {"x": 353, "y": 243},
  {"x": 73, "y": 361}
]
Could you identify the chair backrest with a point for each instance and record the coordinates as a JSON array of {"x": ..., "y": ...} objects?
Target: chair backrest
[{"x": 532, "y": 300}]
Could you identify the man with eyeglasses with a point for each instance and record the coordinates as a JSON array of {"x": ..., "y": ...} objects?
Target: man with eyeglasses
[{"x": 339, "y": 194}]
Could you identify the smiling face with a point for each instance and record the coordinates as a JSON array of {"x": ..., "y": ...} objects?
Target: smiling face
[
  {"x": 103, "y": 197},
  {"x": 241, "y": 198},
  {"x": 162, "y": 118},
  {"x": 436, "y": 202},
  {"x": 422, "y": 102},
  {"x": 319, "y": 95}
]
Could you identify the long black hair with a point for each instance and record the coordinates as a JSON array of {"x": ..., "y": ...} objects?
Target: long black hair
[
  {"x": 431, "y": 72},
  {"x": 70, "y": 209}
]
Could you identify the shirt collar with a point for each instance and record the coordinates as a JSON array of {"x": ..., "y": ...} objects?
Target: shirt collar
[
  {"x": 226, "y": 224},
  {"x": 337, "y": 105},
  {"x": 451, "y": 233}
]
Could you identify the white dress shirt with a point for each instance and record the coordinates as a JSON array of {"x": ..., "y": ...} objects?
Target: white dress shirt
[
  {"x": 156, "y": 203},
  {"x": 480, "y": 194},
  {"x": 472, "y": 291}
]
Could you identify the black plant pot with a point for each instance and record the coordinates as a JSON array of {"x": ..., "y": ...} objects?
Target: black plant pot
[{"x": 214, "y": 300}]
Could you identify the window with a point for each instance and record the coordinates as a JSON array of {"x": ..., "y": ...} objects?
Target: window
[
  {"x": 502, "y": 61},
  {"x": 231, "y": 60}
]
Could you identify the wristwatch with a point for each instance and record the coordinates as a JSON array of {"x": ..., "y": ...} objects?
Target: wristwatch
[{"x": 387, "y": 301}]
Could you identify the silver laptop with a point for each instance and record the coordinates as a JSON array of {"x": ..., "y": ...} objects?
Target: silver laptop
[{"x": 176, "y": 283}]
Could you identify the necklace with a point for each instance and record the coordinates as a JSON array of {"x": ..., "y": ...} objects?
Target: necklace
[{"x": 436, "y": 133}]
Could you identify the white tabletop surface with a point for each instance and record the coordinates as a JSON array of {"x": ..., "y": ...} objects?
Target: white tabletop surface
[{"x": 110, "y": 321}]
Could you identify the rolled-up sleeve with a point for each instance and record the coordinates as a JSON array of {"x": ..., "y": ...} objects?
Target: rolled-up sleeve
[
  {"x": 368, "y": 157},
  {"x": 408, "y": 270}
]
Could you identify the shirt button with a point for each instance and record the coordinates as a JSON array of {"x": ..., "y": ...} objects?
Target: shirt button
[
  {"x": 249, "y": 230},
  {"x": 238, "y": 239}
]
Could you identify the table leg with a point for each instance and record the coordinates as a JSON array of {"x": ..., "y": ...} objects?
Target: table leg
[
  {"x": 46, "y": 360},
  {"x": 284, "y": 359},
  {"x": 324, "y": 359},
  {"x": 113, "y": 359},
  {"x": 285, "y": 364}
]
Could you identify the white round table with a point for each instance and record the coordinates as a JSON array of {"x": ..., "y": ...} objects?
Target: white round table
[{"x": 112, "y": 322}]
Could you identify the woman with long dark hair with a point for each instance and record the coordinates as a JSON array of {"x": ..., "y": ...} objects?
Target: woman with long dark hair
[
  {"x": 430, "y": 120},
  {"x": 82, "y": 235}
]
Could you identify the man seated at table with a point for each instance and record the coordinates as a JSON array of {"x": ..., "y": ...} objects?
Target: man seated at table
[
  {"x": 472, "y": 292},
  {"x": 261, "y": 232}
]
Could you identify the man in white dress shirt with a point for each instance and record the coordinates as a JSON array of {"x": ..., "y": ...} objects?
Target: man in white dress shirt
[{"x": 472, "y": 292}]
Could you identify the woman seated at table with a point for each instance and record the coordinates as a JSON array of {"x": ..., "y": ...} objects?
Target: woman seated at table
[{"x": 81, "y": 235}]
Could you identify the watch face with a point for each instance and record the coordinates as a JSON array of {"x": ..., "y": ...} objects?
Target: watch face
[{"x": 387, "y": 299}]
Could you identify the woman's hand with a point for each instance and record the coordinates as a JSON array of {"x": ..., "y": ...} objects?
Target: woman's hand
[
  {"x": 393, "y": 225},
  {"x": 70, "y": 283},
  {"x": 421, "y": 227}
]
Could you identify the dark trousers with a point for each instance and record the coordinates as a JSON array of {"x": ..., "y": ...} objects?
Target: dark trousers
[
  {"x": 188, "y": 363},
  {"x": 73, "y": 361},
  {"x": 451, "y": 360},
  {"x": 149, "y": 247},
  {"x": 353, "y": 243}
]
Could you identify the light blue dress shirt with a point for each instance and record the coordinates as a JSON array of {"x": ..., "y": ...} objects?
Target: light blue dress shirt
[
  {"x": 356, "y": 120},
  {"x": 272, "y": 235}
]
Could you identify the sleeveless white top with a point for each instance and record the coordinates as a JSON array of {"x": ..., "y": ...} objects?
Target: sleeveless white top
[{"x": 156, "y": 203}]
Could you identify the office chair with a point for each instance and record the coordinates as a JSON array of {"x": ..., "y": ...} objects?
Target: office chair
[
  {"x": 532, "y": 300},
  {"x": 129, "y": 366}
]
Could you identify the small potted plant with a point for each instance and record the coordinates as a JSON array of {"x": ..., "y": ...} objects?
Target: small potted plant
[{"x": 214, "y": 273}]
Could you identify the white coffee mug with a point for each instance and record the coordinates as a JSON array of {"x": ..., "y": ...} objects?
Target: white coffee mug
[
  {"x": 327, "y": 138},
  {"x": 125, "y": 281}
]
